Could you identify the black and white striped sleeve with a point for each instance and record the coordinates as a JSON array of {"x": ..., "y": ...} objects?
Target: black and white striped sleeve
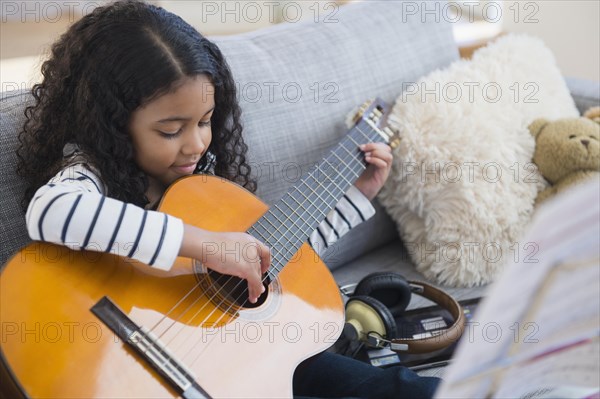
[
  {"x": 353, "y": 209},
  {"x": 72, "y": 210}
]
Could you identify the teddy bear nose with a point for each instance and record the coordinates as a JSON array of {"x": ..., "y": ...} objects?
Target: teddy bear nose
[{"x": 585, "y": 142}]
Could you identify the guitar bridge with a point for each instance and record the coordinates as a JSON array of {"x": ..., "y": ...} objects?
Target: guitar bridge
[{"x": 149, "y": 347}]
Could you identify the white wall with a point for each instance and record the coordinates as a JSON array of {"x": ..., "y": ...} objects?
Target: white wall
[
  {"x": 223, "y": 17},
  {"x": 571, "y": 29}
]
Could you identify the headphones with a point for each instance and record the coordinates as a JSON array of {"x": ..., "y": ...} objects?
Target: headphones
[{"x": 380, "y": 297}]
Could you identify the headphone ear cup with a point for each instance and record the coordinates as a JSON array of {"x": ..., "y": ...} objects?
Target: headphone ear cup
[
  {"x": 364, "y": 315},
  {"x": 390, "y": 289}
]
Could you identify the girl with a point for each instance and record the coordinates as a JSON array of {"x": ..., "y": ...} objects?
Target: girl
[{"x": 132, "y": 99}]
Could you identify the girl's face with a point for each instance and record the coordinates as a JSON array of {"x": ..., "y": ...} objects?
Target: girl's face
[{"x": 172, "y": 132}]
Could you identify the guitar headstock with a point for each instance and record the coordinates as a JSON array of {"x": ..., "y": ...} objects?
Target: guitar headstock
[{"x": 375, "y": 113}]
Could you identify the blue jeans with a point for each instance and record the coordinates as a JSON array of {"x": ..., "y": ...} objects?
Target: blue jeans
[{"x": 329, "y": 375}]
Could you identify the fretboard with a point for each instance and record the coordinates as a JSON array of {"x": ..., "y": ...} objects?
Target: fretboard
[{"x": 292, "y": 219}]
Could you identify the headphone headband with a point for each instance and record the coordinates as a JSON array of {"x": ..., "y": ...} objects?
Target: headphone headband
[
  {"x": 436, "y": 342},
  {"x": 446, "y": 337}
]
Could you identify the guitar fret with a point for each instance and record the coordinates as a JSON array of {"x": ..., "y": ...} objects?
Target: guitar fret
[
  {"x": 333, "y": 182},
  {"x": 282, "y": 222},
  {"x": 293, "y": 222},
  {"x": 258, "y": 234},
  {"x": 341, "y": 160},
  {"x": 266, "y": 241},
  {"x": 343, "y": 177},
  {"x": 266, "y": 219},
  {"x": 351, "y": 139},
  {"x": 266, "y": 230},
  {"x": 299, "y": 227},
  {"x": 357, "y": 159},
  {"x": 301, "y": 240},
  {"x": 318, "y": 196},
  {"x": 311, "y": 214},
  {"x": 311, "y": 202},
  {"x": 301, "y": 204},
  {"x": 348, "y": 152},
  {"x": 377, "y": 138},
  {"x": 271, "y": 235},
  {"x": 283, "y": 234},
  {"x": 364, "y": 134},
  {"x": 288, "y": 252}
]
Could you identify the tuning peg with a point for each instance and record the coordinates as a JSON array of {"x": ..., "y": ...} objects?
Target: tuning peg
[
  {"x": 361, "y": 111},
  {"x": 374, "y": 117},
  {"x": 389, "y": 132},
  {"x": 393, "y": 136}
]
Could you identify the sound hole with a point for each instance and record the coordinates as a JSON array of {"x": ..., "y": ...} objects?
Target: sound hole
[{"x": 235, "y": 290}]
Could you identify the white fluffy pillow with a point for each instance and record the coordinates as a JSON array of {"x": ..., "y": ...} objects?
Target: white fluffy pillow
[{"x": 462, "y": 186}]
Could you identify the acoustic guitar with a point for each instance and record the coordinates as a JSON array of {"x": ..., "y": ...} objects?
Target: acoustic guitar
[{"x": 84, "y": 324}]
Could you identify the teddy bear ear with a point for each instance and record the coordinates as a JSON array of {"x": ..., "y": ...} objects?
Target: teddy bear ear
[
  {"x": 593, "y": 113},
  {"x": 537, "y": 125}
]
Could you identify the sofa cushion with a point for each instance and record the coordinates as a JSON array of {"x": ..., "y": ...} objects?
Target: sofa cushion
[
  {"x": 13, "y": 234},
  {"x": 296, "y": 84},
  {"x": 585, "y": 93}
]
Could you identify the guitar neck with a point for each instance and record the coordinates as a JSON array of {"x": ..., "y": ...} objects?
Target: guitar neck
[{"x": 291, "y": 220}]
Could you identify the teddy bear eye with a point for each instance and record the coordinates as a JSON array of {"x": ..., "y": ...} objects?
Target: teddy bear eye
[
  {"x": 593, "y": 137},
  {"x": 572, "y": 136}
]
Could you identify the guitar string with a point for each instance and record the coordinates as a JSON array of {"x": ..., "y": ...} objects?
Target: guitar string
[
  {"x": 261, "y": 236},
  {"x": 311, "y": 214},
  {"x": 276, "y": 207},
  {"x": 274, "y": 214},
  {"x": 222, "y": 287},
  {"x": 288, "y": 252},
  {"x": 227, "y": 311},
  {"x": 202, "y": 349},
  {"x": 277, "y": 241},
  {"x": 211, "y": 300},
  {"x": 333, "y": 182}
]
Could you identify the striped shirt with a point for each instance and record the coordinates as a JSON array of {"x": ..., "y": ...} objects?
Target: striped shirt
[{"x": 73, "y": 210}]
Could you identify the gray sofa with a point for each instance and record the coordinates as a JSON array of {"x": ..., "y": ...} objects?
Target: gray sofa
[{"x": 296, "y": 83}]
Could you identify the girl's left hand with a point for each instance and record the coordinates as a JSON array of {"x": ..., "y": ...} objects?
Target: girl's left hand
[{"x": 379, "y": 159}]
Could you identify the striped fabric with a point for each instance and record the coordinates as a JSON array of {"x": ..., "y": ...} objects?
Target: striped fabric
[
  {"x": 73, "y": 210},
  {"x": 353, "y": 209}
]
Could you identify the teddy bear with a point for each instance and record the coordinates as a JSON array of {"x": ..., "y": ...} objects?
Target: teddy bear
[
  {"x": 566, "y": 151},
  {"x": 593, "y": 113}
]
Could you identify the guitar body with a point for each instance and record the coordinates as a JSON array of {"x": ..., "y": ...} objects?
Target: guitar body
[{"x": 53, "y": 346}]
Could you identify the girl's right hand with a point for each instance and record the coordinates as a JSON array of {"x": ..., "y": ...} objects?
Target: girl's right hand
[{"x": 232, "y": 253}]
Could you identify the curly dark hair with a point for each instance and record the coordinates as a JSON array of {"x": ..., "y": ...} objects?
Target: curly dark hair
[{"x": 112, "y": 61}]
